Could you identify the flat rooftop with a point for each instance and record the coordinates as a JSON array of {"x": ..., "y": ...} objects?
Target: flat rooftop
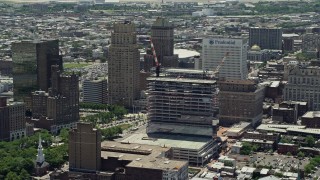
[
  {"x": 187, "y": 71},
  {"x": 130, "y": 151},
  {"x": 185, "y": 80},
  {"x": 140, "y": 155},
  {"x": 311, "y": 114},
  {"x": 174, "y": 141}
]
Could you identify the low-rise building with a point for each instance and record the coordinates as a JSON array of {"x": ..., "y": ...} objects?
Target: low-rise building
[
  {"x": 237, "y": 130},
  {"x": 311, "y": 119},
  {"x": 284, "y": 148}
]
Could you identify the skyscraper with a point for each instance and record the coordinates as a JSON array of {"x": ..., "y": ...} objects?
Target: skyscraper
[
  {"x": 266, "y": 38},
  {"x": 123, "y": 65},
  {"x": 162, "y": 35},
  {"x": 84, "y": 148},
  {"x": 235, "y": 52},
  {"x": 60, "y": 106},
  {"x": 32, "y": 62}
]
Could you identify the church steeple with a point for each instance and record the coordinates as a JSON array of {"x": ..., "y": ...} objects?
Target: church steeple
[{"x": 40, "y": 155}]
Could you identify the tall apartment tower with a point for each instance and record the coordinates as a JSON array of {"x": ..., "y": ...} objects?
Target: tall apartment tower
[
  {"x": 240, "y": 100},
  {"x": 266, "y": 38},
  {"x": 235, "y": 52},
  {"x": 304, "y": 85},
  {"x": 123, "y": 65},
  {"x": 12, "y": 120},
  {"x": 84, "y": 148},
  {"x": 32, "y": 62}
]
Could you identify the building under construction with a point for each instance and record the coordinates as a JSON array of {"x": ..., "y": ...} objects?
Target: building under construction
[{"x": 181, "y": 105}]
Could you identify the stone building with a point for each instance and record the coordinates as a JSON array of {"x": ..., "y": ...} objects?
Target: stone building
[
  {"x": 240, "y": 100},
  {"x": 123, "y": 65}
]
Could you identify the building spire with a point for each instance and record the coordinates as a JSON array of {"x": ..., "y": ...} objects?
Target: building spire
[{"x": 40, "y": 155}]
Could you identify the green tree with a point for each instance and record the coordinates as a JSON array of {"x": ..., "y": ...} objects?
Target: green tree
[
  {"x": 310, "y": 141},
  {"x": 24, "y": 175},
  {"x": 247, "y": 148},
  {"x": 12, "y": 176},
  {"x": 301, "y": 154}
]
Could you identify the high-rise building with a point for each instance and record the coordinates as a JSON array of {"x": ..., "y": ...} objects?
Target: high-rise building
[
  {"x": 60, "y": 106},
  {"x": 32, "y": 62},
  {"x": 266, "y": 38},
  {"x": 162, "y": 35},
  {"x": 95, "y": 91},
  {"x": 310, "y": 43},
  {"x": 12, "y": 120},
  {"x": 181, "y": 105},
  {"x": 84, "y": 148},
  {"x": 234, "y": 50},
  {"x": 123, "y": 65},
  {"x": 4, "y": 120},
  {"x": 240, "y": 100},
  {"x": 303, "y": 85}
]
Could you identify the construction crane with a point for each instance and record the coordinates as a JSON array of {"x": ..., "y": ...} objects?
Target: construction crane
[
  {"x": 155, "y": 58},
  {"x": 220, "y": 64}
]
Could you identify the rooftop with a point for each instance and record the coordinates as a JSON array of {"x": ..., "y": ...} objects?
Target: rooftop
[
  {"x": 185, "y": 80},
  {"x": 311, "y": 114},
  {"x": 140, "y": 155},
  {"x": 174, "y": 141}
]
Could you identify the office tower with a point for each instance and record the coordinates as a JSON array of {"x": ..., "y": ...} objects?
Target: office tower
[
  {"x": 12, "y": 120},
  {"x": 60, "y": 106},
  {"x": 240, "y": 100},
  {"x": 303, "y": 85},
  {"x": 32, "y": 62},
  {"x": 95, "y": 91},
  {"x": 234, "y": 50},
  {"x": 310, "y": 43},
  {"x": 181, "y": 106},
  {"x": 162, "y": 35},
  {"x": 266, "y": 38},
  {"x": 84, "y": 148},
  {"x": 123, "y": 65}
]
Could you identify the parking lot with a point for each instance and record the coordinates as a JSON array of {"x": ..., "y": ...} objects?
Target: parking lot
[{"x": 276, "y": 161}]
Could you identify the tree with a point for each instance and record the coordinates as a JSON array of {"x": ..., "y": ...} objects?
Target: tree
[
  {"x": 24, "y": 175},
  {"x": 289, "y": 154},
  {"x": 12, "y": 176},
  {"x": 246, "y": 149},
  {"x": 310, "y": 141},
  {"x": 301, "y": 154}
]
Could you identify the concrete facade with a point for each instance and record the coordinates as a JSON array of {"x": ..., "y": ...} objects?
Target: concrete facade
[
  {"x": 240, "y": 100},
  {"x": 303, "y": 85},
  {"x": 95, "y": 91},
  {"x": 12, "y": 120},
  {"x": 123, "y": 65},
  {"x": 235, "y": 52},
  {"x": 84, "y": 148}
]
